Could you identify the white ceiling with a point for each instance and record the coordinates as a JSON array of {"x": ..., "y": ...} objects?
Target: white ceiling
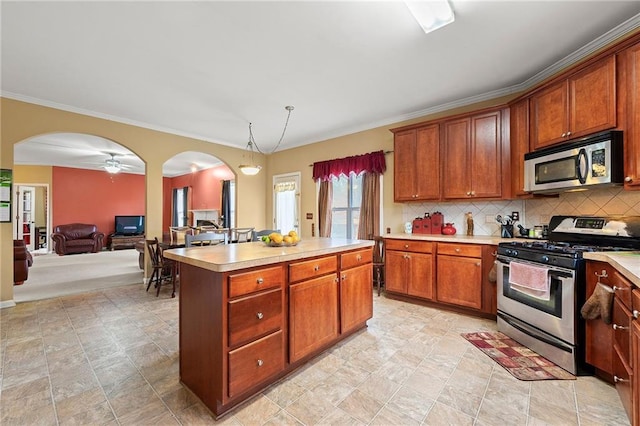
[{"x": 207, "y": 69}]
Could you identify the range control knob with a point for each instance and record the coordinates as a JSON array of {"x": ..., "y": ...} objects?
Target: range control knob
[{"x": 545, "y": 258}]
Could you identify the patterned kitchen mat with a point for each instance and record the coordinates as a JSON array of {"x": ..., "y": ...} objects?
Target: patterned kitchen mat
[{"x": 520, "y": 361}]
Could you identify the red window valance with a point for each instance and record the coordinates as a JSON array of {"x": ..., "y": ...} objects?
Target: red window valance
[{"x": 372, "y": 162}]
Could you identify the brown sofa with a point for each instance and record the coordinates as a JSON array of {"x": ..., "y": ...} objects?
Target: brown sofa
[
  {"x": 22, "y": 260},
  {"x": 77, "y": 238}
]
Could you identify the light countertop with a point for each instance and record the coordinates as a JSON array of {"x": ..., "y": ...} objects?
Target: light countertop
[
  {"x": 231, "y": 257},
  {"x": 625, "y": 262},
  {"x": 457, "y": 238}
]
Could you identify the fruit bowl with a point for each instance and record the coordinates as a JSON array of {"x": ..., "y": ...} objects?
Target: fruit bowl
[{"x": 282, "y": 244}]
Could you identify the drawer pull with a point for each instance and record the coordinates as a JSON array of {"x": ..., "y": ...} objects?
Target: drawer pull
[
  {"x": 602, "y": 275},
  {"x": 616, "y": 288},
  {"x": 617, "y": 379},
  {"x": 406, "y": 246},
  {"x": 259, "y": 315},
  {"x": 316, "y": 268},
  {"x": 359, "y": 258},
  {"x": 619, "y": 327},
  {"x": 259, "y": 281},
  {"x": 636, "y": 314},
  {"x": 457, "y": 250},
  {"x": 260, "y": 363}
]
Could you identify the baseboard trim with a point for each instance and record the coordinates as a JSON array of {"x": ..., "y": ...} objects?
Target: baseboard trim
[{"x": 7, "y": 304}]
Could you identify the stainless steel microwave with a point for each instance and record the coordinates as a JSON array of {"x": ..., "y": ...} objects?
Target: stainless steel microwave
[{"x": 592, "y": 161}]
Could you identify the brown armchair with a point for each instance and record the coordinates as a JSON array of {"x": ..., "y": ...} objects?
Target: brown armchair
[
  {"x": 22, "y": 260},
  {"x": 77, "y": 238}
]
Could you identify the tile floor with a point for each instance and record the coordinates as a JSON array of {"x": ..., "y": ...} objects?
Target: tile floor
[{"x": 111, "y": 357}]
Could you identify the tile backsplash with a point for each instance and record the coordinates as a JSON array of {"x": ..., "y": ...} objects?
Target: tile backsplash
[{"x": 597, "y": 202}]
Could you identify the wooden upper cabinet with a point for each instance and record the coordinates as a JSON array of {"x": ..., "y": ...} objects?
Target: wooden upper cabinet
[
  {"x": 582, "y": 104},
  {"x": 519, "y": 145},
  {"x": 632, "y": 136},
  {"x": 472, "y": 156},
  {"x": 417, "y": 164}
]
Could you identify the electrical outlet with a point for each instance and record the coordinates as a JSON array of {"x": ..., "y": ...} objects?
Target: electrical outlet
[{"x": 515, "y": 216}]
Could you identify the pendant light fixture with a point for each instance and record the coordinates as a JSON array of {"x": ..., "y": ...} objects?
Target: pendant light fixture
[{"x": 252, "y": 168}]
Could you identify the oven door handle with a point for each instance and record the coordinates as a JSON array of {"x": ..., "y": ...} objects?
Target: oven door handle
[{"x": 535, "y": 333}]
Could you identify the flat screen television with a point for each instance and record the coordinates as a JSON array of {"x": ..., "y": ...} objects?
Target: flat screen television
[{"x": 129, "y": 225}]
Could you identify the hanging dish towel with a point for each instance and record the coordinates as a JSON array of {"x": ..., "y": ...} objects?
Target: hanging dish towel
[
  {"x": 599, "y": 304},
  {"x": 531, "y": 280}
]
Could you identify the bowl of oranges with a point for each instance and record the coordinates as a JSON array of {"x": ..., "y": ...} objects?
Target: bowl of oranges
[{"x": 276, "y": 239}]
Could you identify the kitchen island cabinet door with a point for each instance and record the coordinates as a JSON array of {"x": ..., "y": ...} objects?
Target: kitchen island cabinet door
[
  {"x": 356, "y": 295},
  {"x": 459, "y": 281},
  {"x": 313, "y": 315}
]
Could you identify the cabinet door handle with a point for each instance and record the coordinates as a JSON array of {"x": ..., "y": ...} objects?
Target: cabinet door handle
[
  {"x": 473, "y": 193},
  {"x": 260, "y": 363},
  {"x": 259, "y": 315},
  {"x": 344, "y": 278},
  {"x": 259, "y": 281},
  {"x": 316, "y": 268},
  {"x": 478, "y": 264},
  {"x": 564, "y": 135},
  {"x": 568, "y": 133},
  {"x": 616, "y": 288},
  {"x": 617, "y": 379},
  {"x": 619, "y": 327},
  {"x": 628, "y": 179},
  {"x": 636, "y": 314}
]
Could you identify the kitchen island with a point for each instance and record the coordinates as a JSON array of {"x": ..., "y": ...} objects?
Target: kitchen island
[{"x": 250, "y": 313}]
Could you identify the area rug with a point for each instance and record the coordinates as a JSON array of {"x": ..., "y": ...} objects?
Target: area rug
[{"x": 520, "y": 361}]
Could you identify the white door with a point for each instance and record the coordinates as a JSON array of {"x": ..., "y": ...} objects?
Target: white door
[
  {"x": 286, "y": 202},
  {"x": 25, "y": 215}
]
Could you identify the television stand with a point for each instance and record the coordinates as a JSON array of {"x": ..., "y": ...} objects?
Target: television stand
[{"x": 117, "y": 242}]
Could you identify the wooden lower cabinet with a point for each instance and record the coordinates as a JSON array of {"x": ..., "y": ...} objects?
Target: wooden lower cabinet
[
  {"x": 313, "y": 315},
  {"x": 460, "y": 275},
  {"x": 635, "y": 346},
  {"x": 455, "y": 274},
  {"x": 409, "y": 268},
  {"x": 599, "y": 336},
  {"x": 242, "y": 330}
]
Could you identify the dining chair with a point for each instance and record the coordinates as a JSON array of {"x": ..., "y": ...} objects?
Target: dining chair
[
  {"x": 206, "y": 239},
  {"x": 263, "y": 232},
  {"x": 163, "y": 268},
  {"x": 378, "y": 263},
  {"x": 177, "y": 233},
  {"x": 241, "y": 235}
]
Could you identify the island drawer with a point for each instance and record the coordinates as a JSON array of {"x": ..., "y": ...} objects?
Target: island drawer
[
  {"x": 467, "y": 250},
  {"x": 253, "y": 363},
  {"x": 251, "y": 282},
  {"x": 254, "y": 316},
  {"x": 356, "y": 258},
  {"x": 409, "y": 245},
  {"x": 312, "y": 268}
]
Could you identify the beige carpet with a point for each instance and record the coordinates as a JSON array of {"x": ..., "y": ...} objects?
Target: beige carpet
[{"x": 52, "y": 275}]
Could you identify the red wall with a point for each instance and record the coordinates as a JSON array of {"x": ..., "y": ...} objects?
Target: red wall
[
  {"x": 205, "y": 190},
  {"x": 95, "y": 197},
  {"x": 92, "y": 196}
]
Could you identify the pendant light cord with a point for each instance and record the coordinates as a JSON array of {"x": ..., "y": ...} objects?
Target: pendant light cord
[{"x": 252, "y": 141}]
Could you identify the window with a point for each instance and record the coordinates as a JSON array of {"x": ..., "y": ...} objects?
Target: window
[{"x": 345, "y": 211}]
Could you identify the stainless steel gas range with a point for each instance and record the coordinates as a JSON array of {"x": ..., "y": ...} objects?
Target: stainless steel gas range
[{"x": 541, "y": 284}]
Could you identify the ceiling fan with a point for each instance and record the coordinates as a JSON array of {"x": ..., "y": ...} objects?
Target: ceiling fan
[{"x": 113, "y": 165}]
